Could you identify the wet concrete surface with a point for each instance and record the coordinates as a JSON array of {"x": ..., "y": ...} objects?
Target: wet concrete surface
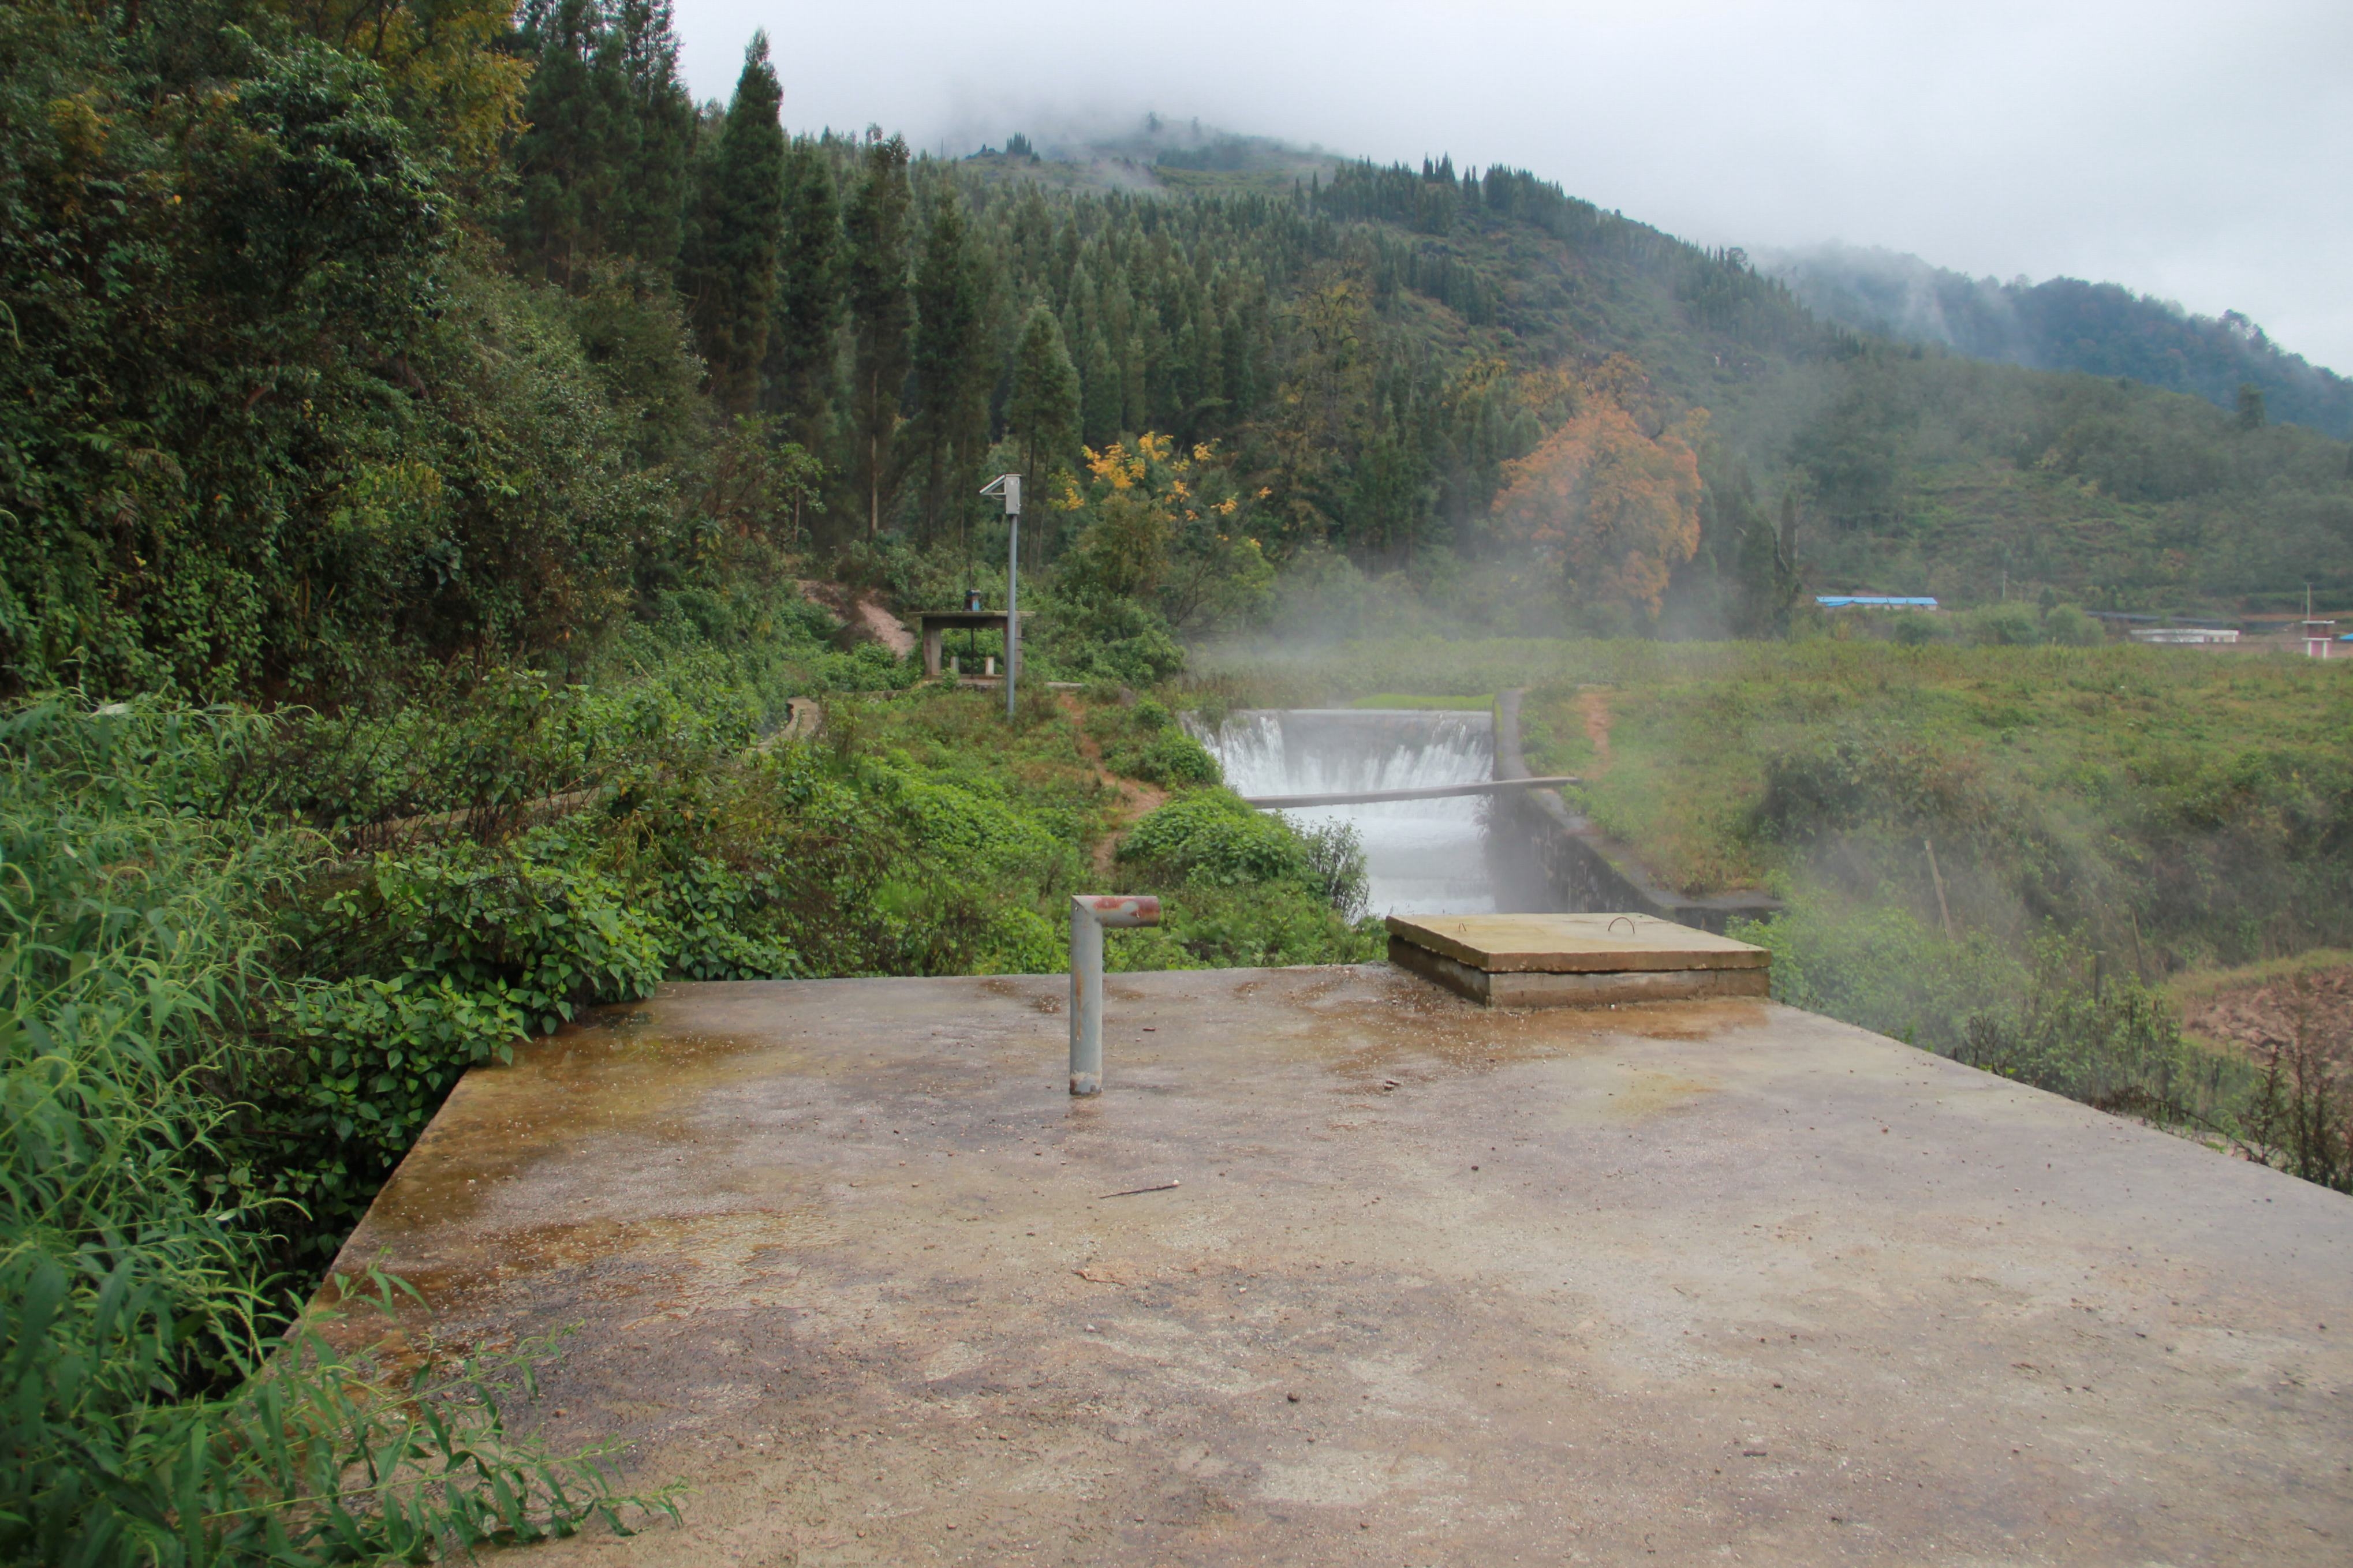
[{"x": 1438, "y": 1284}]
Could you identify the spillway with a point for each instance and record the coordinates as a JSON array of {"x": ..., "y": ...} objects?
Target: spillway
[{"x": 1421, "y": 857}]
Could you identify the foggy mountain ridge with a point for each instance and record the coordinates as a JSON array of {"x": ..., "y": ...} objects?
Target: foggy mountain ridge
[
  {"x": 2063, "y": 324},
  {"x": 2059, "y": 324}
]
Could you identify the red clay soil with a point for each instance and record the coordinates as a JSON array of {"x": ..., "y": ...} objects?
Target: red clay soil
[
  {"x": 1594, "y": 704},
  {"x": 2261, "y": 1018}
]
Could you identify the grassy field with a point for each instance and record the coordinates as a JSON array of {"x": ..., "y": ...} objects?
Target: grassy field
[{"x": 2188, "y": 809}]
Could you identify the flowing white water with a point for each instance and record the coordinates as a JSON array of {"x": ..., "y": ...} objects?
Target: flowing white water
[{"x": 1421, "y": 857}]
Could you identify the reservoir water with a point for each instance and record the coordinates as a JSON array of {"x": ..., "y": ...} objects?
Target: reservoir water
[{"x": 1421, "y": 857}]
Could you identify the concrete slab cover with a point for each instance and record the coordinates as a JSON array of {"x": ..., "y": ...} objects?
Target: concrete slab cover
[
  {"x": 1438, "y": 1284},
  {"x": 1574, "y": 944}
]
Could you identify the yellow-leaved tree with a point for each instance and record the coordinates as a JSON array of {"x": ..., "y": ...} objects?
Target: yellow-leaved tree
[
  {"x": 1616, "y": 510},
  {"x": 441, "y": 62}
]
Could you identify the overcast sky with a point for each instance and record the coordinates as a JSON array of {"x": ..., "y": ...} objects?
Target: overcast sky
[{"x": 2202, "y": 151}]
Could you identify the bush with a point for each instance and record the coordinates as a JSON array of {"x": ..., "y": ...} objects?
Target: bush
[
  {"x": 1859, "y": 777},
  {"x": 2002, "y": 626},
  {"x": 2068, "y": 626},
  {"x": 1145, "y": 743},
  {"x": 1177, "y": 760},
  {"x": 1335, "y": 866},
  {"x": 2105, "y": 1039},
  {"x": 1212, "y": 839},
  {"x": 1919, "y": 628},
  {"x": 1880, "y": 968},
  {"x": 149, "y": 1409}
]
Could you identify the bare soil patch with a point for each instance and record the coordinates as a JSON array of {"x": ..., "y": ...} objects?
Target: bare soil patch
[
  {"x": 867, "y": 618},
  {"x": 2267, "y": 1010},
  {"x": 1593, "y": 704}
]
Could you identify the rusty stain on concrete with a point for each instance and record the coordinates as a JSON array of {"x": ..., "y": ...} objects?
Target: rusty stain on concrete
[{"x": 1439, "y": 1285}]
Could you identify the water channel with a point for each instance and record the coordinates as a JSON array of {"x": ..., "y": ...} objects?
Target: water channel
[{"x": 1421, "y": 857}]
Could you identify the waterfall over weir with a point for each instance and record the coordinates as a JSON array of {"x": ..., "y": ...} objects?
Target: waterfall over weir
[{"x": 1421, "y": 857}]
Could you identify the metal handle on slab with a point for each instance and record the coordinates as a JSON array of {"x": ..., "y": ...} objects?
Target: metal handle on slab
[{"x": 1089, "y": 913}]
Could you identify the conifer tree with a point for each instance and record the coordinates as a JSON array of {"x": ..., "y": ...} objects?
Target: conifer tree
[
  {"x": 953, "y": 372},
  {"x": 2251, "y": 416},
  {"x": 798, "y": 378},
  {"x": 650, "y": 197},
  {"x": 880, "y": 308},
  {"x": 1100, "y": 391},
  {"x": 730, "y": 261},
  {"x": 1043, "y": 413},
  {"x": 600, "y": 168},
  {"x": 563, "y": 161}
]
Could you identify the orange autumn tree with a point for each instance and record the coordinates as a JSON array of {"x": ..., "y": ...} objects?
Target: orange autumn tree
[{"x": 1616, "y": 509}]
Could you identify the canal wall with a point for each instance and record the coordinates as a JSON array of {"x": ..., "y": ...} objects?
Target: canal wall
[{"x": 1583, "y": 869}]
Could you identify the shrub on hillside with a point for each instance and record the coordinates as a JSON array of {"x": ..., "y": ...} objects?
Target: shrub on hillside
[
  {"x": 1145, "y": 743},
  {"x": 2001, "y": 626},
  {"x": 2068, "y": 626},
  {"x": 1210, "y": 838},
  {"x": 1870, "y": 777},
  {"x": 149, "y": 1410}
]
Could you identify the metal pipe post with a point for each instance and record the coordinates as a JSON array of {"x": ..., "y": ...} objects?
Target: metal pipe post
[
  {"x": 1012, "y": 595},
  {"x": 1009, "y": 487},
  {"x": 1089, "y": 912}
]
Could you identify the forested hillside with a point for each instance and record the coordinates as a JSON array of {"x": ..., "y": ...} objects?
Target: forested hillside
[
  {"x": 336, "y": 347},
  {"x": 2064, "y": 323}
]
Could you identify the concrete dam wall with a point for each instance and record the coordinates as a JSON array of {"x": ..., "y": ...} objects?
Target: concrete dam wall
[{"x": 1422, "y": 856}]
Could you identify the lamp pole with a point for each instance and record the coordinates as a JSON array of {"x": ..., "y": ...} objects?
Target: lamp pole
[{"x": 1008, "y": 486}]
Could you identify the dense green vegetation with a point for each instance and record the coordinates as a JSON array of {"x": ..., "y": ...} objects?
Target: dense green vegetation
[{"x": 332, "y": 349}]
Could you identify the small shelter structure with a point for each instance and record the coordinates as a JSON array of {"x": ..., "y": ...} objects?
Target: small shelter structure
[{"x": 934, "y": 624}]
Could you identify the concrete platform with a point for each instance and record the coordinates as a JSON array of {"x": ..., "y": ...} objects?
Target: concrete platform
[
  {"x": 1439, "y": 1285},
  {"x": 1575, "y": 959}
]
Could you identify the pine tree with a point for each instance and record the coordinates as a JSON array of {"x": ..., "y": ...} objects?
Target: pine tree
[
  {"x": 2251, "y": 416},
  {"x": 650, "y": 199},
  {"x": 600, "y": 169},
  {"x": 803, "y": 326},
  {"x": 1043, "y": 413},
  {"x": 880, "y": 308},
  {"x": 564, "y": 160},
  {"x": 1099, "y": 392},
  {"x": 953, "y": 374},
  {"x": 730, "y": 261}
]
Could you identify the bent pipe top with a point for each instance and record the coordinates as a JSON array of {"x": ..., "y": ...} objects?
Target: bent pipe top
[{"x": 1089, "y": 913}]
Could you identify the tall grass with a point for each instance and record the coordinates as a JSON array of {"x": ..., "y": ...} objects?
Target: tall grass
[{"x": 158, "y": 1402}]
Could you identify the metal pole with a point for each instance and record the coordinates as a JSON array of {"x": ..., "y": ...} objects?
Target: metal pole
[
  {"x": 1012, "y": 597},
  {"x": 1089, "y": 912},
  {"x": 1009, "y": 487}
]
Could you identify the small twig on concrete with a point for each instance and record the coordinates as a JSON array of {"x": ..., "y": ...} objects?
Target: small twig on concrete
[{"x": 1133, "y": 1190}]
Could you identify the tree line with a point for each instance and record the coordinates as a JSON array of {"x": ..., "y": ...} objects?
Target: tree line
[{"x": 345, "y": 336}]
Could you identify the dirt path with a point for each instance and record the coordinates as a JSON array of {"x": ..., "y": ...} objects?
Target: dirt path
[
  {"x": 885, "y": 627},
  {"x": 865, "y": 614},
  {"x": 1136, "y": 799},
  {"x": 1593, "y": 703}
]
